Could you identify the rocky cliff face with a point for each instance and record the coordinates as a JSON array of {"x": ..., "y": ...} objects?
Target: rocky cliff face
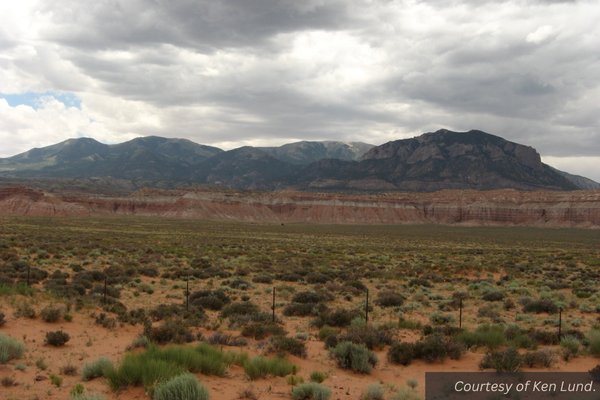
[{"x": 450, "y": 207}]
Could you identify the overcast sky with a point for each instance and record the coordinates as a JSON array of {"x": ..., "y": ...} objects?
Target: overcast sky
[{"x": 267, "y": 72}]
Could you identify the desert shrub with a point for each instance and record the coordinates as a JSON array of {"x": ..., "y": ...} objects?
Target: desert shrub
[
  {"x": 261, "y": 330},
  {"x": 491, "y": 336},
  {"x": 304, "y": 309},
  {"x": 10, "y": 348},
  {"x": 50, "y": 314},
  {"x": 340, "y": 318},
  {"x": 401, "y": 353},
  {"x": 489, "y": 311},
  {"x": 420, "y": 282},
  {"x": 244, "y": 308},
  {"x": 289, "y": 277},
  {"x": 367, "y": 335},
  {"x": 389, "y": 298},
  {"x": 2, "y": 319},
  {"x": 545, "y": 358},
  {"x": 311, "y": 391},
  {"x": 405, "y": 393},
  {"x": 432, "y": 349},
  {"x": 508, "y": 360},
  {"x": 570, "y": 347},
  {"x": 407, "y": 324},
  {"x": 140, "y": 341},
  {"x": 181, "y": 387},
  {"x": 172, "y": 330},
  {"x": 540, "y": 306},
  {"x": 57, "y": 338},
  {"x": 544, "y": 337},
  {"x": 442, "y": 319},
  {"x": 308, "y": 297},
  {"x": 493, "y": 296},
  {"x": 287, "y": 345},
  {"x": 106, "y": 322},
  {"x": 317, "y": 376},
  {"x": 374, "y": 391},
  {"x": 317, "y": 277},
  {"x": 509, "y": 304},
  {"x": 593, "y": 342},
  {"x": 262, "y": 279},
  {"x": 56, "y": 380},
  {"x": 96, "y": 369},
  {"x": 261, "y": 367},
  {"x": 354, "y": 356},
  {"x": 461, "y": 294},
  {"x": 210, "y": 299}
]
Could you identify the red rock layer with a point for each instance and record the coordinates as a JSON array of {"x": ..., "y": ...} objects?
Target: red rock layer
[{"x": 501, "y": 207}]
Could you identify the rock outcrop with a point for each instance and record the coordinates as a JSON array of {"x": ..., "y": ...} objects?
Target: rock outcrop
[
  {"x": 449, "y": 207},
  {"x": 23, "y": 201}
]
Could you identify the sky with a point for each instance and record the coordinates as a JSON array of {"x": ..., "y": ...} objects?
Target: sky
[{"x": 232, "y": 73}]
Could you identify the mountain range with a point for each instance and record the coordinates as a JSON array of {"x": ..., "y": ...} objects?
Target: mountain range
[{"x": 430, "y": 162}]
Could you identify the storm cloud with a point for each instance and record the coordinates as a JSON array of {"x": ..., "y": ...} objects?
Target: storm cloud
[{"x": 267, "y": 72}]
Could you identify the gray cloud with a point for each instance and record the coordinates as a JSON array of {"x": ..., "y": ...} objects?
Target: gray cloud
[{"x": 265, "y": 72}]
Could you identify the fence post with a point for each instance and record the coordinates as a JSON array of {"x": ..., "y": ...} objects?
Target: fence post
[
  {"x": 274, "y": 304},
  {"x": 367, "y": 308}
]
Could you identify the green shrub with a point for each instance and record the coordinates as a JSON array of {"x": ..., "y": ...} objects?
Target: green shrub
[
  {"x": 76, "y": 390},
  {"x": 401, "y": 353},
  {"x": 261, "y": 367},
  {"x": 354, "y": 356},
  {"x": 540, "y": 306},
  {"x": 389, "y": 298},
  {"x": 491, "y": 336},
  {"x": 369, "y": 335},
  {"x": 374, "y": 391},
  {"x": 287, "y": 345},
  {"x": 545, "y": 358},
  {"x": 10, "y": 348},
  {"x": 508, "y": 360},
  {"x": 412, "y": 325},
  {"x": 50, "y": 314},
  {"x": 182, "y": 387},
  {"x": 570, "y": 347},
  {"x": 317, "y": 376},
  {"x": 96, "y": 369},
  {"x": 87, "y": 396},
  {"x": 56, "y": 380},
  {"x": 311, "y": 391},
  {"x": 442, "y": 319},
  {"x": 406, "y": 394}
]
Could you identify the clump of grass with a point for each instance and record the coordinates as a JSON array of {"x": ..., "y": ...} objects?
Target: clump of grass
[
  {"x": 311, "y": 390},
  {"x": 56, "y": 380},
  {"x": 407, "y": 394},
  {"x": 88, "y": 396},
  {"x": 374, "y": 391},
  {"x": 10, "y": 348},
  {"x": 317, "y": 376},
  {"x": 157, "y": 365},
  {"x": 96, "y": 369},
  {"x": 491, "y": 336},
  {"x": 181, "y": 387},
  {"x": 261, "y": 367},
  {"x": 354, "y": 356}
]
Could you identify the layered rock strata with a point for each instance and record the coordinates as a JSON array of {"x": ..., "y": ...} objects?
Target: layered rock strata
[{"x": 450, "y": 207}]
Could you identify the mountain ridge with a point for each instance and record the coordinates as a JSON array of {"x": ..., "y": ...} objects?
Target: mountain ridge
[{"x": 433, "y": 161}]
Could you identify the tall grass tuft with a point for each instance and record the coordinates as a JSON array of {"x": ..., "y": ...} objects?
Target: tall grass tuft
[
  {"x": 96, "y": 369},
  {"x": 10, "y": 348},
  {"x": 261, "y": 367},
  {"x": 311, "y": 390},
  {"x": 182, "y": 387}
]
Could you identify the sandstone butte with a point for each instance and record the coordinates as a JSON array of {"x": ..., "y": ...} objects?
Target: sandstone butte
[{"x": 449, "y": 207}]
